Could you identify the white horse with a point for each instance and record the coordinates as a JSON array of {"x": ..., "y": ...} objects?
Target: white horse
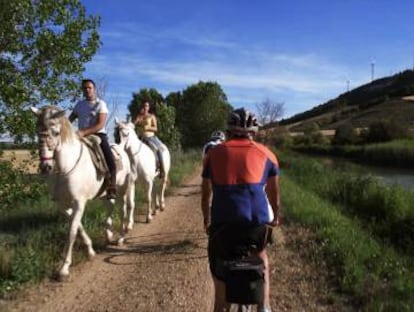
[
  {"x": 73, "y": 178},
  {"x": 143, "y": 163}
]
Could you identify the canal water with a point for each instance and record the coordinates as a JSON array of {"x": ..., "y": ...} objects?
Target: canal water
[{"x": 390, "y": 176}]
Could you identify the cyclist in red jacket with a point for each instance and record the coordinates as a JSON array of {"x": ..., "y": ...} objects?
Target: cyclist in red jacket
[{"x": 240, "y": 197}]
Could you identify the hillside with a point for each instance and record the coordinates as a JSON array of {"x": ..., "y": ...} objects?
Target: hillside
[{"x": 383, "y": 99}]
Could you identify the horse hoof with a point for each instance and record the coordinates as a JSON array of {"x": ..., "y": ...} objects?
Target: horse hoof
[
  {"x": 91, "y": 254},
  {"x": 121, "y": 241},
  {"x": 109, "y": 236},
  {"x": 62, "y": 276}
]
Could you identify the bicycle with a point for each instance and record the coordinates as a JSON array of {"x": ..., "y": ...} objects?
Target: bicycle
[{"x": 241, "y": 268}]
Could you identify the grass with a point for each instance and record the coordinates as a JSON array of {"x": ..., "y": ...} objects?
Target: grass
[
  {"x": 359, "y": 224},
  {"x": 376, "y": 276}
]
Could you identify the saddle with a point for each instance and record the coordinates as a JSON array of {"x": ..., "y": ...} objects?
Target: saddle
[{"x": 93, "y": 142}]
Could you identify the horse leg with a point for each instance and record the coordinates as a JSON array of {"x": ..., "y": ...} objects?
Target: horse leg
[
  {"x": 122, "y": 217},
  {"x": 77, "y": 214},
  {"x": 131, "y": 206},
  {"x": 108, "y": 223},
  {"x": 87, "y": 241},
  {"x": 149, "y": 200},
  {"x": 162, "y": 193}
]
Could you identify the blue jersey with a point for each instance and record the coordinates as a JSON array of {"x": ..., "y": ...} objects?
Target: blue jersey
[{"x": 238, "y": 170}]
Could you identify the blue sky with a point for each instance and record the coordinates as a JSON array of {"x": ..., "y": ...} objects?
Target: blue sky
[{"x": 301, "y": 53}]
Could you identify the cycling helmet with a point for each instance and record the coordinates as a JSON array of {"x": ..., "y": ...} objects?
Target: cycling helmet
[
  {"x": 218, "y": 135},
  {"x": 242, "y": 122}
]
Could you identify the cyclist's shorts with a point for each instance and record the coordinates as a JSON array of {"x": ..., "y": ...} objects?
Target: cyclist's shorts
[{"x": 227, "y": 242}]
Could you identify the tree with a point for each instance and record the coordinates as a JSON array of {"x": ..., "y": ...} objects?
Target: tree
[
  {"x": 203, "y": 109},
  {"x": 44, "y": 45},
  {"x": 269, "y": 111}
]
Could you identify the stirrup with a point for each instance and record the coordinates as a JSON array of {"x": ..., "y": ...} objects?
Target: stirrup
[{"x": 111, "y": 192}]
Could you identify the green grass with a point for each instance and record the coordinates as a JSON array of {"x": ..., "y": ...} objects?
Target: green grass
[
  {"x": 387, "y": 211},
  {"x": 364, "y": 230},
  {"x": 376, "y": 276}
]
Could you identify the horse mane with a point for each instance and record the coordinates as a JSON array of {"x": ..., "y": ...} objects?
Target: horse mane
[{"x": 67, "y": 133}]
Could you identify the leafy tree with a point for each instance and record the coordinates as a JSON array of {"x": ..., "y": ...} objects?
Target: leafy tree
[
  {"x": 44, "y": 45},
  {"x": 167, "y": 131},
  {"x": 174, "y": 99},
  {"x": 203, "y": 109}
]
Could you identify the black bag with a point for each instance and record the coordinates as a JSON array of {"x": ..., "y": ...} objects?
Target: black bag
[{"x": 244, "y": 280}]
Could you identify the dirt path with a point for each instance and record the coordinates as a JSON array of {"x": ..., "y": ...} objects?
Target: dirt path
[{"x": 163, "y": 267}]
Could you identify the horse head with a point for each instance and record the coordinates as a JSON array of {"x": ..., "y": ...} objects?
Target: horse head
[
  {"x": 123, "y": 132},
  {"x": 49, "y": 129}
]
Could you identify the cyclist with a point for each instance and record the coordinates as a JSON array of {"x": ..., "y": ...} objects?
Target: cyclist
[
  {"x": 240, "y": 197},
  {"x": 217, "y": 137}
]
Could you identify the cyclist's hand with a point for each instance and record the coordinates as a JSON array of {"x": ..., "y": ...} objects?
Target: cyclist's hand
[
  {"x": 276, "y": 221},
  {"x": 207, "y": 228}
]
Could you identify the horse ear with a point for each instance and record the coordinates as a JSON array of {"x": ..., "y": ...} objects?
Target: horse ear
[
  {"x": 35, "y": 110},
  {"x": 116, "y": 121},
  {"x": 59, "y": 114}
]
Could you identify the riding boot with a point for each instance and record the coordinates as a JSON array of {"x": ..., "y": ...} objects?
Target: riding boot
[
  {"x": 161, "y": 164},
  {"x": 111, "y": 189}
]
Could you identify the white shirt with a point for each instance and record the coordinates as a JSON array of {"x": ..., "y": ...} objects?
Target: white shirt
[{"x": 87, "y": 113}]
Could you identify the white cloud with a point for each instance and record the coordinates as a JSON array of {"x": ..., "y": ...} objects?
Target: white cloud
[{"x": 247, "y": 74}]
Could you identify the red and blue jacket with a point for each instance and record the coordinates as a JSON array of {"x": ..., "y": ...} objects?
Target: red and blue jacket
[{"x": 238, "y": 170}]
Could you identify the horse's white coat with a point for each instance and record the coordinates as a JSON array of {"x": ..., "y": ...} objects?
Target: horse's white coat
[
  {"x": 73, "y": 179},
  {"x": 143, "y": 163}
]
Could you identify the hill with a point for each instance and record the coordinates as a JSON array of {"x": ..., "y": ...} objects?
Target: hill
[{"x": 387, "y": 98}]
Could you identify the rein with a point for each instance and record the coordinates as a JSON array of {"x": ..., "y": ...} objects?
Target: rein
[
  {"x": 139, "y": 149},
  {"x": 76, "y": 164}
]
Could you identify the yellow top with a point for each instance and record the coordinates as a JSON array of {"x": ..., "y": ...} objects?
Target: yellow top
[{"x": 147, "y": 125}]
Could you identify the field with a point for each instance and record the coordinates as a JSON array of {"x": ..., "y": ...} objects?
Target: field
[{"x": 21, "y": 159}]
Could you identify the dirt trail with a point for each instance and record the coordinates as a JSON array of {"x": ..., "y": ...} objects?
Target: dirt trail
[{"x": 163, "y": 267}]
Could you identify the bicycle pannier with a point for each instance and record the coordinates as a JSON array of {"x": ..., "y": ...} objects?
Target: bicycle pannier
[{"x": 244, "y": 280}]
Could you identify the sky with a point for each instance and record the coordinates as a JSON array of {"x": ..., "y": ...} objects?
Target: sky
[{"x": 298, "y": 52}]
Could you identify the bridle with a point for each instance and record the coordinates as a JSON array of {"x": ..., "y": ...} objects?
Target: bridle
[
  {"x": 126, "y": 137},
  {"x": 47, "y": 153}
]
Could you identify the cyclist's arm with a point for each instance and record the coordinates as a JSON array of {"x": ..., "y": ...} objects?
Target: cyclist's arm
[
  {"x": 205, "y": 201},
  {"x": 273, "y": 194}
]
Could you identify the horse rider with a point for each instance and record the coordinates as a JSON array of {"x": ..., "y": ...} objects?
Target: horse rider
[
  {"x": 147, "y": 128},
  {"x": 92, "y": 113}
]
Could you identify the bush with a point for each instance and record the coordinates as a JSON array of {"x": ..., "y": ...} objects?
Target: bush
[
  {"x": 383, "y": 131},
  {"x": 345, "y": 134}
]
